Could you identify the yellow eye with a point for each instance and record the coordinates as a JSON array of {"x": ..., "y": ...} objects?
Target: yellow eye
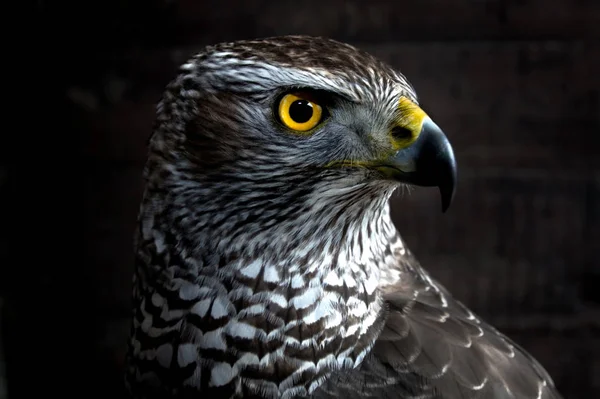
[{"x": 298, "y": 112}]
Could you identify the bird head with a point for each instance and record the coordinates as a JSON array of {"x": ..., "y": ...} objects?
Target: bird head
[{"x": 289, "y": 124}]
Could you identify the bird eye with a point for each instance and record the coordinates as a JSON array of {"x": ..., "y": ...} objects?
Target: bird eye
[{"x": 298, "y": 112}]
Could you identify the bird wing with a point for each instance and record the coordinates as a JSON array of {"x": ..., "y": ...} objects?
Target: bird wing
[{"x": 432, "y": 346}]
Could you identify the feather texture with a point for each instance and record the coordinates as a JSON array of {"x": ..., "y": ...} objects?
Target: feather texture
[{"x": 432, "y": 346}]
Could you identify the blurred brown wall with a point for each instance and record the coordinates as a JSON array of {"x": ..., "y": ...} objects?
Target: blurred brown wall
[{"x": 515, "y": 84}]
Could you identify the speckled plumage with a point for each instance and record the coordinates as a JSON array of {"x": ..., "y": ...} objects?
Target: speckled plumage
[{"x": 263, "y": 272}]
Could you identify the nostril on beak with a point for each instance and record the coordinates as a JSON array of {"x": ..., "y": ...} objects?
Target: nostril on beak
[{"x": 401, "y": 133}]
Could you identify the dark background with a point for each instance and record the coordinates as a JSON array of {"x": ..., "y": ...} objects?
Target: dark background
[{"x": 514, "y": 83}]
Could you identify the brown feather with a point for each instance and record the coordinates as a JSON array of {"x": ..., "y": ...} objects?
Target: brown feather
[{"x": 432, "y": 346}]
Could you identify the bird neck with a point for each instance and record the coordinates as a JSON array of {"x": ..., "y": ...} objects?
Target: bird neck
[
  {"x": 295, "y": 288},
  {"x": 316, "y": 233},
  {"x": 279, "y": 217}
]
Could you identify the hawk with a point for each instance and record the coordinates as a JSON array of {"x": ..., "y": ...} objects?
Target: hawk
[{"x": 267, "y": 264}]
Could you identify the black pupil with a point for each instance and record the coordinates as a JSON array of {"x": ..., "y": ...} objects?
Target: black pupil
[{"x": 301, "y": 111}]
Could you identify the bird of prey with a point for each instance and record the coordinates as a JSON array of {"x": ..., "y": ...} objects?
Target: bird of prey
[{"x": 267, "y": 263}]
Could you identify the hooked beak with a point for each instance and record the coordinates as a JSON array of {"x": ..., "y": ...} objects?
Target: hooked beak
[{"x": 428, "y": 160}]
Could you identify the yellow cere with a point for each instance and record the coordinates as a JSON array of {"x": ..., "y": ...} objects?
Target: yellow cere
[
  {"x": 411, "y": 118},
  {"x": 299, "y": 112}
]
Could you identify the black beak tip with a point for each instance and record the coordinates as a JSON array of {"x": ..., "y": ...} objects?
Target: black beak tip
[
  {"x": 446, "y": 200},
  {"x": 448, "y": 188}
]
